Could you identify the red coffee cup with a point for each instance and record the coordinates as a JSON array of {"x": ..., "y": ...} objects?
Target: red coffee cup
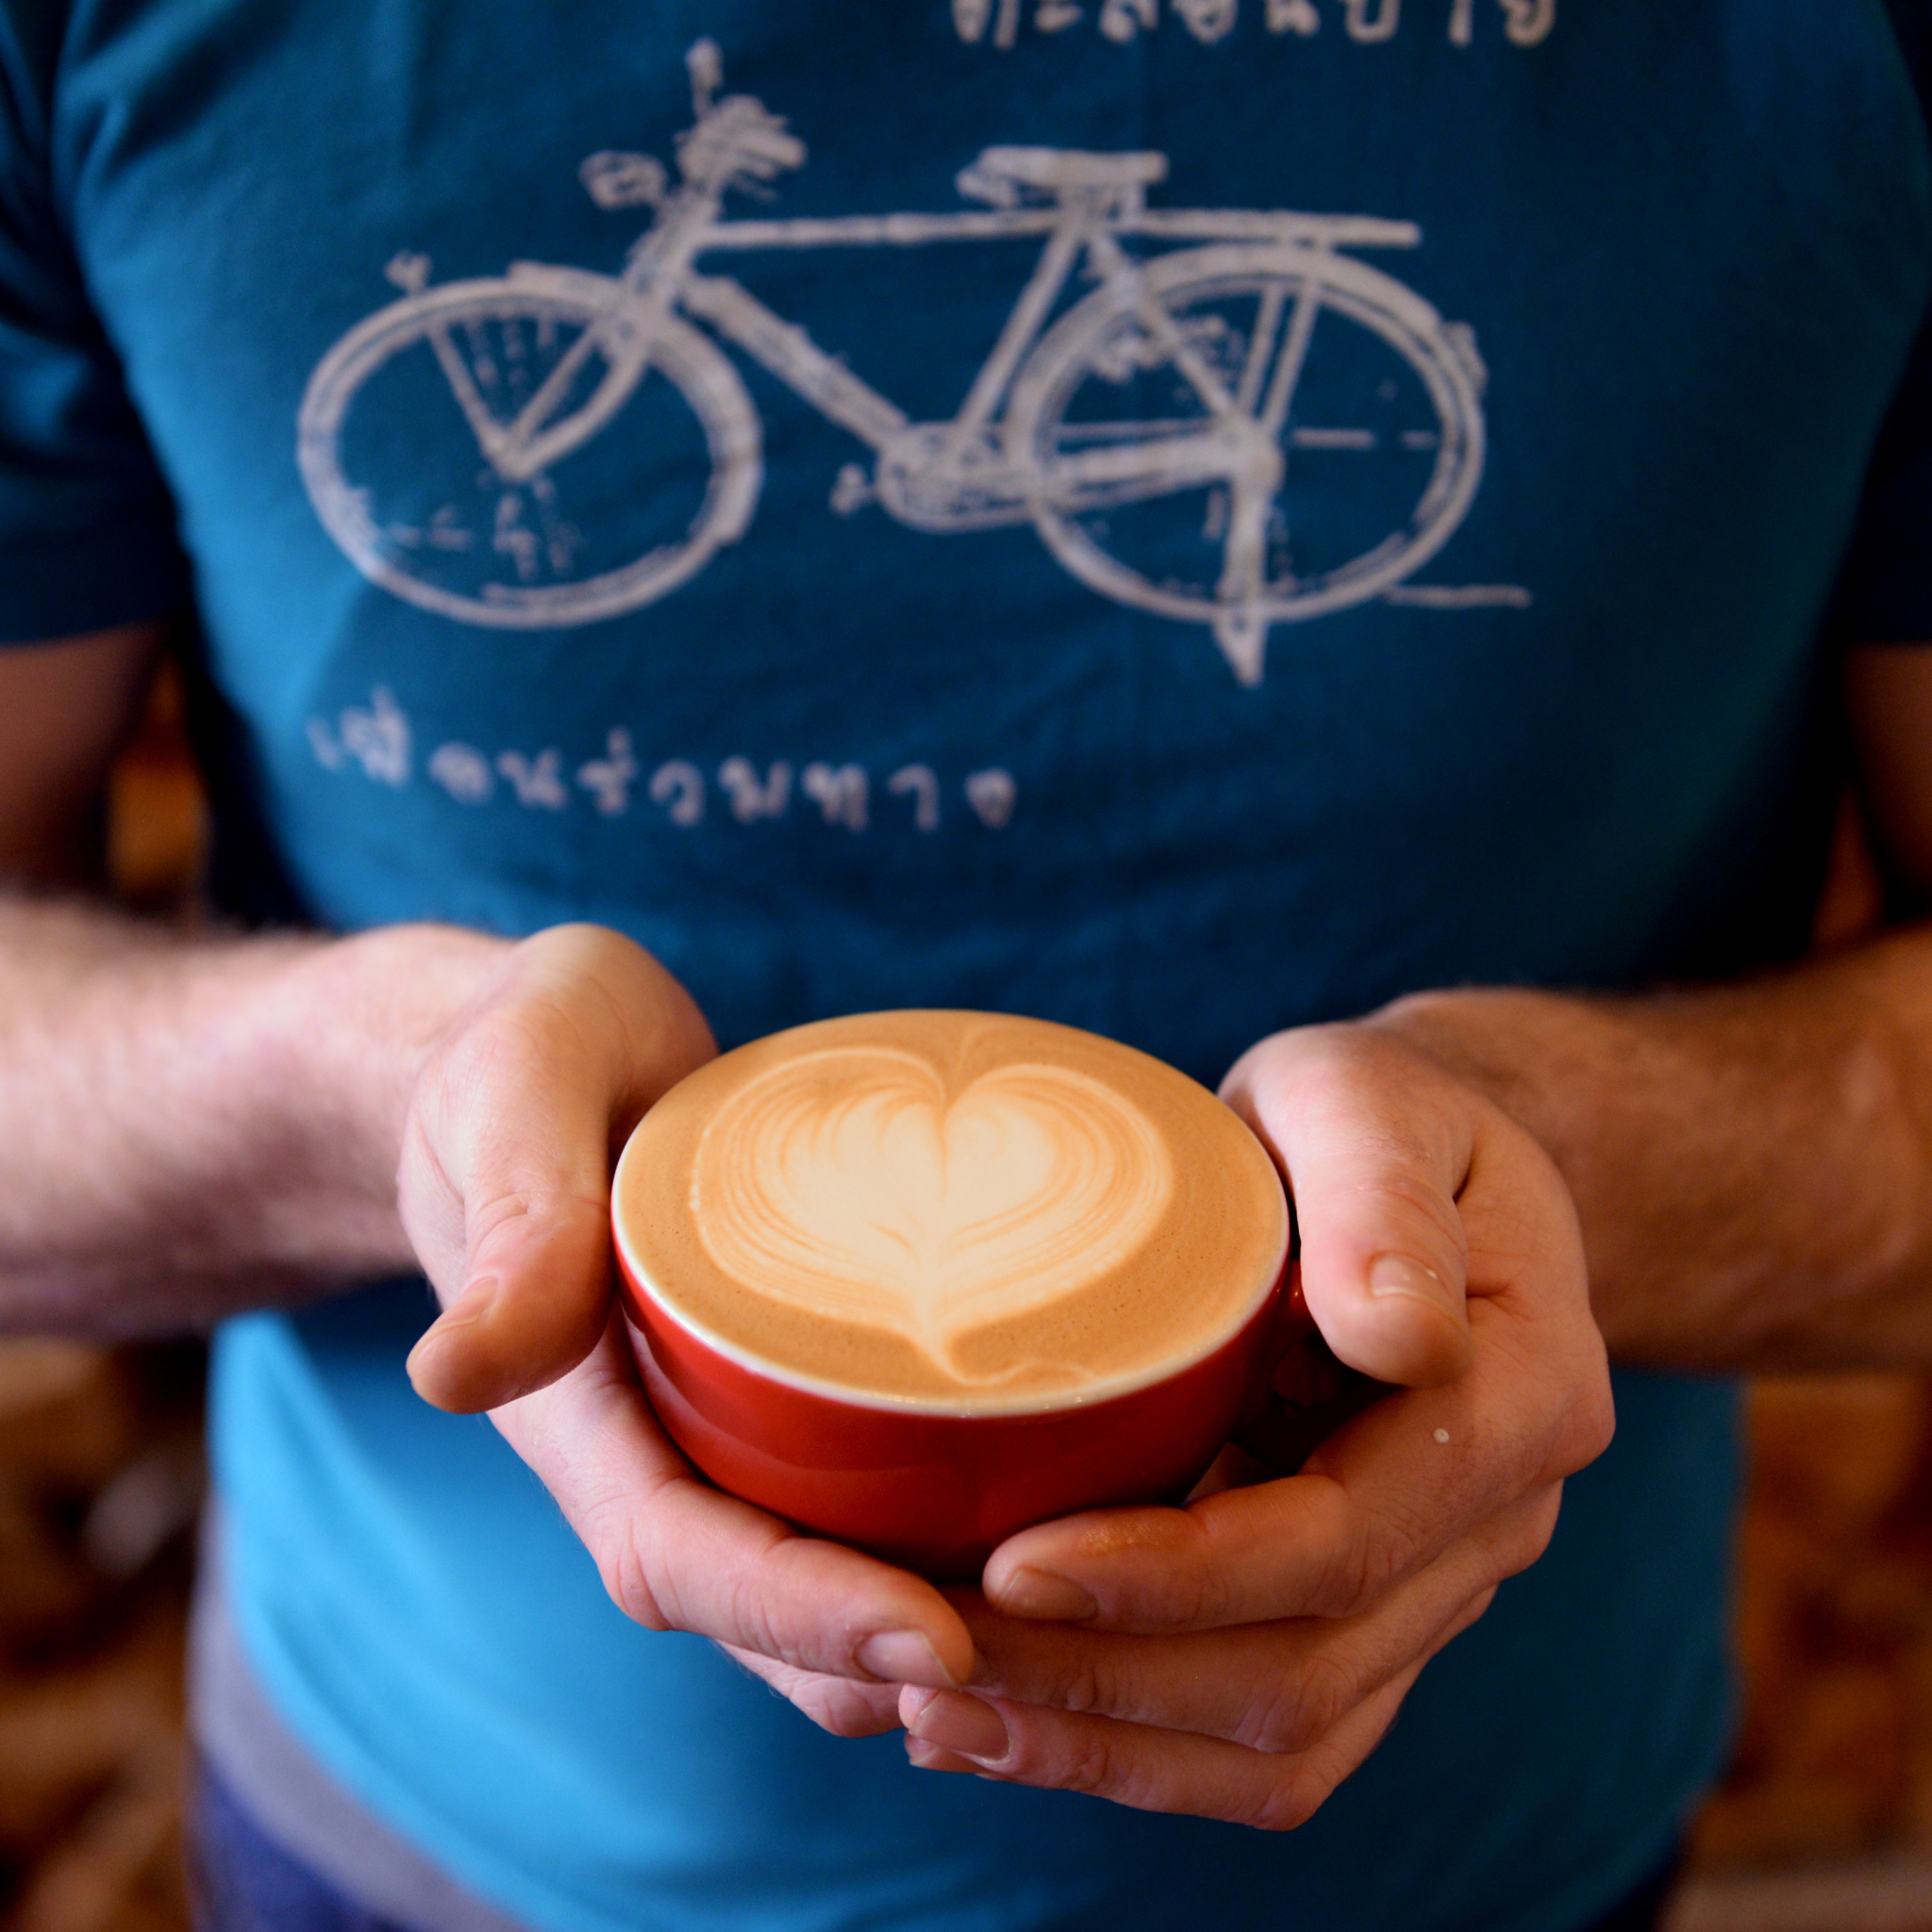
[{"x": 931, "y": 1490}]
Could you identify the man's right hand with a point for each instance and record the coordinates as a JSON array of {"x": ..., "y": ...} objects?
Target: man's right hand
[
  {"x": 511, "y": 1132},
  {"x": 192, "y": 1123}
]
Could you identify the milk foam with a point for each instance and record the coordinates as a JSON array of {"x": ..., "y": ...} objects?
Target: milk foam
[
  {"x": 967, "y": 1211},
  {"x": 855, "y": 1185}
]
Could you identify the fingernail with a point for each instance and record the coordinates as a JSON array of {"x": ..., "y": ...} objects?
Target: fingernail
[
  {"x": 471, "y": 1305},
  {"x": 1053, "y": 1599},
  {"x": 1396, "y": 1274},
  {"x": 467, "y": 1308},
  {"x": 903, "y": 1656},
  {"x": 962, "y": 1724}
]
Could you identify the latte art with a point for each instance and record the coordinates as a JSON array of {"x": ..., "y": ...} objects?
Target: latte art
[
  {"x": 854, "y": 1185},
  {"x": 956, "y": 1209}
]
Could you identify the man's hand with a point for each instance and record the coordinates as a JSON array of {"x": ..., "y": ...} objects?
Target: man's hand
[
  {"x": 511, "y": 1133},
  {"x": 1240, "y": 1657}
]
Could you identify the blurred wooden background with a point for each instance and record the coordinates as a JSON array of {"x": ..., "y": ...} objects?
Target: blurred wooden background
[
  {"x": 100, "y": 1485},
  {"x": 100, "y": 1479},
  {"x": 1825, "y": 1824}
]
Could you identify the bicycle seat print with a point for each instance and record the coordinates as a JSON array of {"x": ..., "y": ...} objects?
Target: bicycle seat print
[{"x": 1000, "y": 174}]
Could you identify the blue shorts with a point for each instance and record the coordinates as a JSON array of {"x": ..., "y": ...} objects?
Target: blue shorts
[{"x": 241, "y": 1881}]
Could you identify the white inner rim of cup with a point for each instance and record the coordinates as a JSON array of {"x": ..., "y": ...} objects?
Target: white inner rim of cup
[{"x": 990, "y": 1403}]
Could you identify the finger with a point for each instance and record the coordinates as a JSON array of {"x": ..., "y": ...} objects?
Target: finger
[
  {"x": 841, "y": 1706},
  {"x": 1148, "y": 1769},
  {"x": 505, "y": 1170},
  {"x": 675, "y": 1554},
  {"x": 1375, "y": 1163},
  {"x": 1272, "y": 1687},
  {"x": 1377, "y": 1504},
  {"x": 537, "y": 1286}
]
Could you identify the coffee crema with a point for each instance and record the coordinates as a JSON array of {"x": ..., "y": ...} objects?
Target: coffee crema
[{"x": 959, "y": 1210}]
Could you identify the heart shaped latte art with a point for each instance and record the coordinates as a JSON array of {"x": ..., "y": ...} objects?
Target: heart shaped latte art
[{"x": 854, "y": 1185}]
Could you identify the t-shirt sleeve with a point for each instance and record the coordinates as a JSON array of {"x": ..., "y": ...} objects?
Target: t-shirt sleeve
[
  {"x": 87, "y": 525},
  {"x": 1885, "y": 594}
]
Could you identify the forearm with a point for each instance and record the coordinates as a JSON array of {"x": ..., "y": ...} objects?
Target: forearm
[
  {"x": 1752, "y": 1163},
  {"x": 190, "y": 1124}
]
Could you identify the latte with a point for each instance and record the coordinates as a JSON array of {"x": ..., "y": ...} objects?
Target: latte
[{"x": 960, "y": 1212}]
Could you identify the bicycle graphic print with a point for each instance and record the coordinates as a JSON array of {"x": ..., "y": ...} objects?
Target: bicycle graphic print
[{"x": 1238, "y": 424}]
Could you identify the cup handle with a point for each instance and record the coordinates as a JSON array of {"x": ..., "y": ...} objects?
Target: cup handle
[{"x": 1302, "y": 1391}]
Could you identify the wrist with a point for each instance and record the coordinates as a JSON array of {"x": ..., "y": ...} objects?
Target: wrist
[
  {"x": 350, "y": 1024},
  {"x": 1606, "y": 1087},
  {"x": 1512, "y": 1045}
]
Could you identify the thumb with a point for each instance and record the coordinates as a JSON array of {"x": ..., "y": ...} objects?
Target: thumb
[
  {"x": 505, "y": 1179},
  {"x": 1373, "y": 1174},
  {"x": 534, "y": 1302}
]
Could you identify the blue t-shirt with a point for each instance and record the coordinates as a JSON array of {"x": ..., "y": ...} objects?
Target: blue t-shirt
[{"x": 1181, "y": 517}]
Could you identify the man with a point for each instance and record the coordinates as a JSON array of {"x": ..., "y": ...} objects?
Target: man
[{"x": 1407, "y": 462}]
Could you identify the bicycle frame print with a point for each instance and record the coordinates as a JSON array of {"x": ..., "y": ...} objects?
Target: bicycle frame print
[
  {"x": 986, "y": 490},
  {"x": 1027, "y": 443}
]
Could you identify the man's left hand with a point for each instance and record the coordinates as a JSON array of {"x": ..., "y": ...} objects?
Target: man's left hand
[{"x": 1239, "y": 1658}]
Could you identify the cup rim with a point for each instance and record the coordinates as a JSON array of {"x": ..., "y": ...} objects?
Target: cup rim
[{"x": 941, "y": 1408}]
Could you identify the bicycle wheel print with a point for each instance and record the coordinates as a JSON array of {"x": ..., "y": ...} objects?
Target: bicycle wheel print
[
  {"x": 644, "y": 461},
  {"x": 1377, "y": 438}
]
